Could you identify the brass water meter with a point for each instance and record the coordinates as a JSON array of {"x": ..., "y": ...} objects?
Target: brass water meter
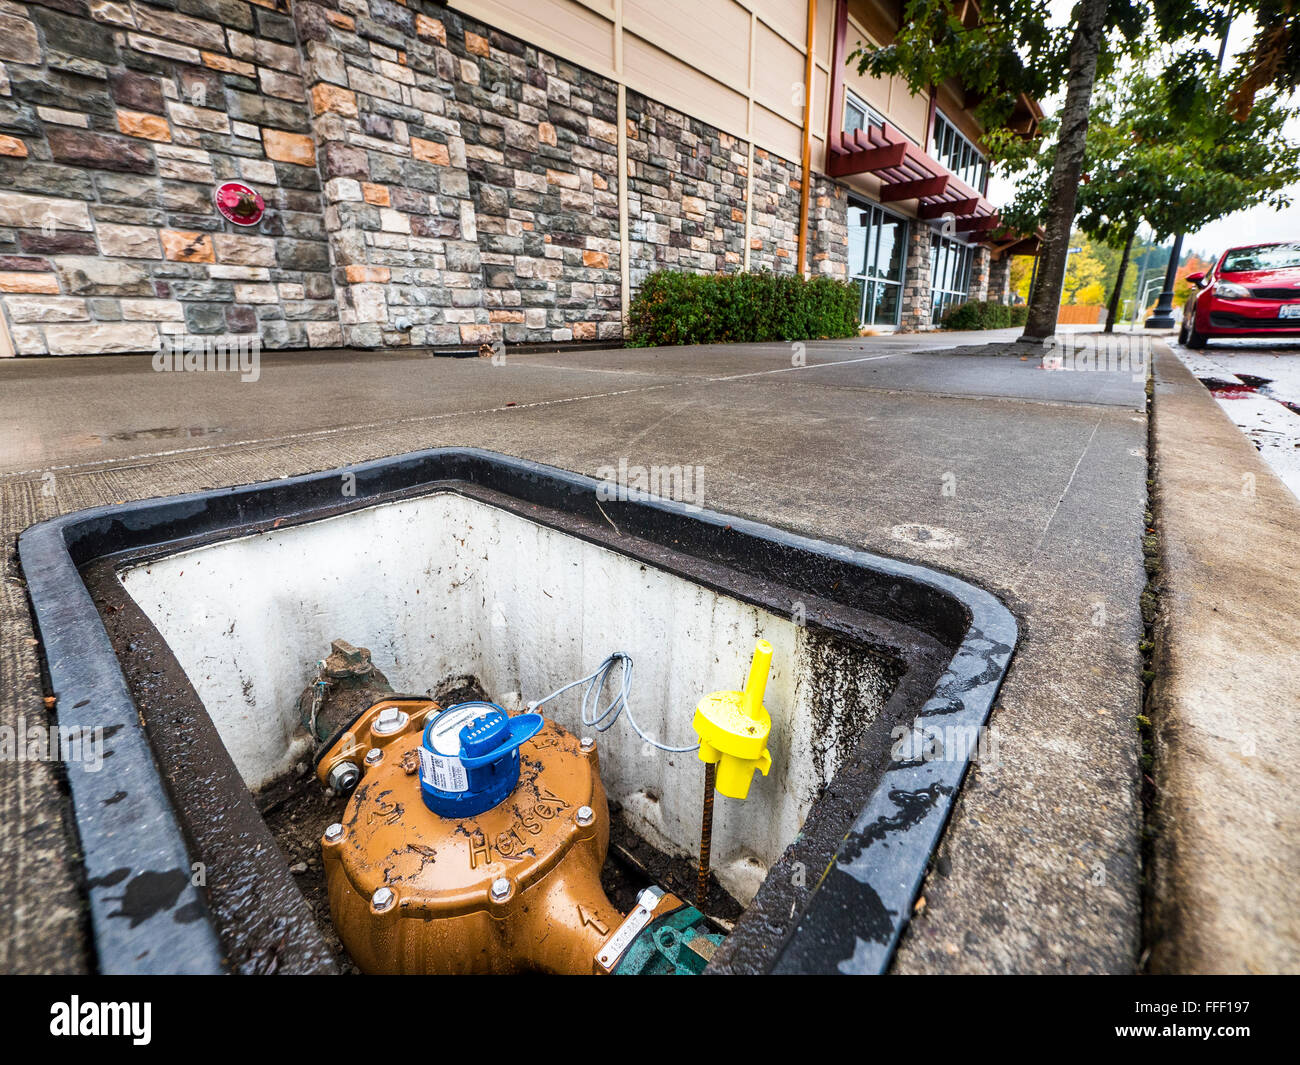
[{"x": 472, "y": 843}]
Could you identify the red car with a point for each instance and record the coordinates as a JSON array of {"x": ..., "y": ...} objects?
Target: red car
[{"x": 1251, "y": 291}]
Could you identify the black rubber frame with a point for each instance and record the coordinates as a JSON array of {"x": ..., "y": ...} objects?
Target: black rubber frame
[{"x": 147, "y": 915}]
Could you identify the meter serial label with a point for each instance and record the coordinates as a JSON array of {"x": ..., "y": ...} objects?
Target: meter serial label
[{"x": 445, "y": 774}]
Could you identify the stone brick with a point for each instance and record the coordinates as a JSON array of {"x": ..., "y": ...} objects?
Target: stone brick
[
  {"x": 546, "y": 133},
  {"x": 166, "y": 49},
  {"x": 57, "y": 243},
  {"x": 597, "y": 259},
  {"x": 430, "y": 152},
  {"x": 77, "y": 36},
  {"x": 285, "y": 86},
  {"x": 24, "y": 281},
  {"x": 94, "y": 339},
  {"x": 375, "y": 194},
  {"x": 227, "y": 65},
  {"x": 20, "y": 211},
  {"x": 152, "y": 310},
  {"x": 136, "y": 92},
  {"x": 327, "y": 97},
  {"x": 244, "y": 250},
  {"x": 12, "y": 146},
  {"x": 175, "y": 27},
  {"x": 430, "y": 29},
  {"x": 28, "y": 309},
  {"x": 358, "y": 274},
  {"x": 143, "y": 124},
  {"x": 187, "y": 247},
  {"x": 129, "y": 242},
  {"x": 476, "y": 45},
  {"x": 205, "y": 118},
  {"x": 117, "y": 12},
  {"x": 95, "y": 276},
  {"x": 79, "y": 147},
  {"x": 18, "y": 40},
  {"x": 286, "y": 147},
  {"x": 342, "y": 160}
]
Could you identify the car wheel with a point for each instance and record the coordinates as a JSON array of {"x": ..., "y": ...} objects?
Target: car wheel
[
  {"x": 1182, "y": 332},
  {"x": 1194, "y": 339}
]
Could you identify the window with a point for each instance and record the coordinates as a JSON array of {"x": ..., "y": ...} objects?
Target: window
[
  {"x": 955, "y": 152},
  {"x": 950, "y": 266},
  {"x": 877, "y": 256},
  {"x": 858, "y": 114}
]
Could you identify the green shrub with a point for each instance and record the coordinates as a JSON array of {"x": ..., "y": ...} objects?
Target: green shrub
[
  {"x": 984, "y": 314},
  {"x": 679, "y": 308}
]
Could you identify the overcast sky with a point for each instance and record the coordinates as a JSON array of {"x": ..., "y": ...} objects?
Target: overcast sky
[{"x": 1257, "y": 224}]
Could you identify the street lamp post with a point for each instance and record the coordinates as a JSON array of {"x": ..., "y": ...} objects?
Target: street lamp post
[{"x": 1163, "y": 316}]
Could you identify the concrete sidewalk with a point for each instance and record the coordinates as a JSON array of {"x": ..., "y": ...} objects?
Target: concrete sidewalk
[{"x": 1031, "y": 484}]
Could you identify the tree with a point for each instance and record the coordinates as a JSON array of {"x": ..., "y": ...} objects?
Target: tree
[
  {"x": 1167, "y": 154},
  {"x": 1012, "y": 48}
]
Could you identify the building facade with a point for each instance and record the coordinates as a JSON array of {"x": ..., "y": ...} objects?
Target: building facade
[{"x": 457, "y": 174}]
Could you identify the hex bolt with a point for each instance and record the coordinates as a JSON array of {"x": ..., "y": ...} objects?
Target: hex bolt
[
  {"x": 383, "y": 898},
  {"x": 500, "y": 889},
  {"x": 373, "y": 756},
  {"x": 343, "y": 778},
  {"x": 334, "y": 833},
  {"x": 586, "y": 815},
  {"x": 587, "y": 743}
]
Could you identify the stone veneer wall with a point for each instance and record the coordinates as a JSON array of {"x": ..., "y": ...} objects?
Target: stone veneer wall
[
  {"x": 116, "y": 120},
  {"x": 686, "y": 192},
  {"x": 470, "y": 180},
  {"x": 429, "y": 180}
]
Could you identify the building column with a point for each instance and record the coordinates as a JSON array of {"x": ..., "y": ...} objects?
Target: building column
[
  {"x": 1000, "y": 279},
  {"x": 916, "y": 280},
  {"x": 979, "y": 274},
  {"x": 828, "y": 225}
]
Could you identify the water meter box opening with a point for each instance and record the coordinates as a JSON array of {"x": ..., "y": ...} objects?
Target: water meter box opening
[{"x": 457, "y": 561}]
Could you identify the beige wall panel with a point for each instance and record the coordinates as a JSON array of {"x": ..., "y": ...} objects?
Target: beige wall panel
[
  {"x": 662, "y": 77},
  {"x": 785, "y": 16},
  {"x": 825, "y": 30},
  {"x": 908, "y": 111},
  {"x": 568, "y": 29},
  {"x": 779, "y": 74},
  {"x": 778, "y": 135},
  {"x": 712, "y": 37}
]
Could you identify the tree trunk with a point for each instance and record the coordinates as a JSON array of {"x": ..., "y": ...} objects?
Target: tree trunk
[
  {"x": 1112, "y": 309},
  {"x": 1089, "y": 36}
]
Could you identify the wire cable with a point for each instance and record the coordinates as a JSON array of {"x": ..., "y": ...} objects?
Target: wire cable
[{"x": 601, "y": 719}]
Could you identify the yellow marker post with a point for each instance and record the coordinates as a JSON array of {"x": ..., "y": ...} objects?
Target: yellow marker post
[{"x": 733, "y": 727}]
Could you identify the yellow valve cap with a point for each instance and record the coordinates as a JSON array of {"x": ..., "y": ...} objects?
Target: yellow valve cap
[{"x": 733, "y": 727}]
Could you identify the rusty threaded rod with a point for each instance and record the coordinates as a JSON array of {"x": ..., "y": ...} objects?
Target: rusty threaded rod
[{"x": 706, "y": 836}]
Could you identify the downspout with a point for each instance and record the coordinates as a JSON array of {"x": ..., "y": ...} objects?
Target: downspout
[{"x": 805, "y": 190}]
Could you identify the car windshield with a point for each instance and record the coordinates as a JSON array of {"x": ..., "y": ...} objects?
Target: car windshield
[{"x": 1261, "y": 257}]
